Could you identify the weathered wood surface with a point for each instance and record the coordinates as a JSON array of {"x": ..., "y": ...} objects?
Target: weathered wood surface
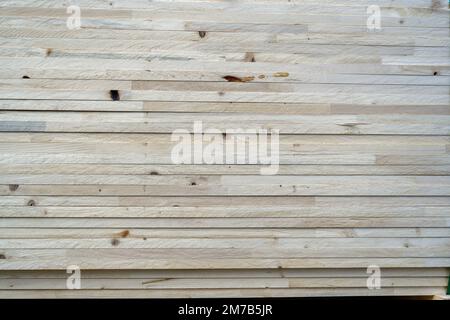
[{"x": 364, "y": 120}]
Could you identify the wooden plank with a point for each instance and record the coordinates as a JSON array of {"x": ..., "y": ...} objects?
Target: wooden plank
[
  {"x": 179, "y": 201},
  {"x": 233, "y": 186},
  {"x": 233, "y": 223},
  {"x": 217, "y": 212},
  {"x": 151, "y": 284},
  {"x": 138, "y": 259},
  {"x": 140, "y": 233},
  {"x": 142, "y": 169},
  {"x": 228, "y": 273}
]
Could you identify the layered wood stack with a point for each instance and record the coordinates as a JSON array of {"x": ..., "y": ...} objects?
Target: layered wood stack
[{"x": 86, "y": 176}]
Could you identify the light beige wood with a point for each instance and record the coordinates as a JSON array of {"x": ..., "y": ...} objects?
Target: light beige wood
[
  {"x": 87, "y": 178},
  {"x": 220, "y": 293},
  {"x": 227, "y": 273}
]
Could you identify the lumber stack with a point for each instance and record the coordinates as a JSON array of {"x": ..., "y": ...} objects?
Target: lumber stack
[{"x": 87, "y": 178}]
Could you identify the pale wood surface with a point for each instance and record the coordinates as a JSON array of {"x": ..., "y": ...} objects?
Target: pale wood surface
[{"x": 364, "y": 176}]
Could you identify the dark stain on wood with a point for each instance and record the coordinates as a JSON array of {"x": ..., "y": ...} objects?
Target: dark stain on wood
[
  {"x": 238, "y": 79},
  {"x": 115, "y": 242},
  {"x": 48, "y": 52},
  {"x": 2, "y": 256},
  {"x": 13, "y": 187},
  {"x": 154, "y": 173},
  {"x": 124, "y": 233},
  {"x": 436, "y": 4},
  {"x": 114, "y": 94}
]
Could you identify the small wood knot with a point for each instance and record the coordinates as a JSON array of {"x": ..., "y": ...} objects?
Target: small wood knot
[
  {"x": 202, "y": 34},
  {"x": 2, "y": 256},
  {"x": 31, "y": 203},
  {"x": 13, "y": 187},
  {"x": 154, "y": 173},
  {"x": 115, "y": 242},
  {"x": 114, "y": 94},
  {"x": 48, "y": 52},
  {"x": 193, "y": 183},
  {"x": 25, "y": 77},
  {"x": 435, "y": 73}
]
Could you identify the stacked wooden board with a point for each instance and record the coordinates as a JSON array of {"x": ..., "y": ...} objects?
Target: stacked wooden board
[{"x": 87, "y": 178}]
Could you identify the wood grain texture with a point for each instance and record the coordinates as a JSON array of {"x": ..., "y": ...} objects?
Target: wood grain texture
[{"x": 87, "y": 178}]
